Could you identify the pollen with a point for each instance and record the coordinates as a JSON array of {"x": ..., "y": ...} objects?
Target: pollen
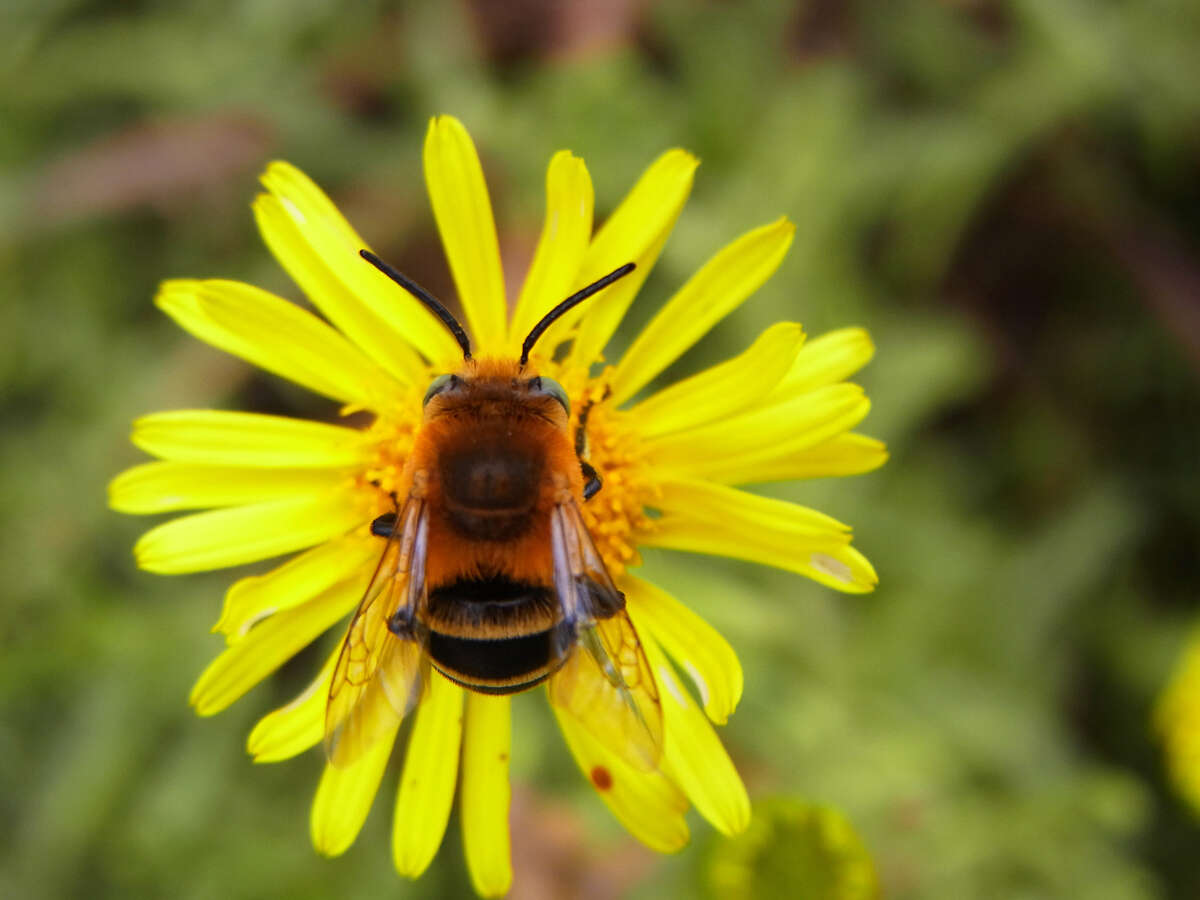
[
  {"x": 393, "y": 435},
  {"x": 616, "y": 517}
]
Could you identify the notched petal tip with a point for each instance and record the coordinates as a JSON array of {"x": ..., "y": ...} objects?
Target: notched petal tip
[
  {"x": 685, "y": 160},
  {"x": 176, "y": 286},
  {"x": 179, "y": 299},
  {"x": 278, "y": 168},
  {"x": 281, "y": 178},
  {"x": 147, "y": 557},
  {"x": 117, "y": 494},
  {"x": 262, "y": 205},
  {"x": 196, "y": 700},
  {"x": 827, "y": 359},
  {"x": 883, "y": 456}
]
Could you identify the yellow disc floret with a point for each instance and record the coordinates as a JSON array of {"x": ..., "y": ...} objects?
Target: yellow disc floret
[{"x": 393, "y": 433}]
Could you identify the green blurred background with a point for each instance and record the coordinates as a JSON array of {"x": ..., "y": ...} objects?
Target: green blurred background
[{"x": 1005, "y": 193}]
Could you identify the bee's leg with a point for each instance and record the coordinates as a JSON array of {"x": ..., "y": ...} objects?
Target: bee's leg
[
  {"x": 581, "y": 432},
  {"x": 592, "y": 483},
  {"x": 581, "y": 427},
  {"x": 591, "y": 480},
  {"x": 384, "y": 526}
]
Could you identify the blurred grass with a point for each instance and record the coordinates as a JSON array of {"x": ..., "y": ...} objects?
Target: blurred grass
[{"x": 1005, "y": 193}]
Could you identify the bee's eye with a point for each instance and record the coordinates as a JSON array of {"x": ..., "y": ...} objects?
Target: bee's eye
[
  {"x": 544, "y": 385},
  {"x": 436, "y": 386}
]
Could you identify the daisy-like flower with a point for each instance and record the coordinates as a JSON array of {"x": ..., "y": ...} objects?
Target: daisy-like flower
[
  {"x": 271, "y": 486},
  {"x": 790, "y": 843}
]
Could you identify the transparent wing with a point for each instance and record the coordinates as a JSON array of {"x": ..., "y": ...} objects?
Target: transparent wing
[
  {"x": 379, "y": 674},
  {"x": 606, "y": 684}
]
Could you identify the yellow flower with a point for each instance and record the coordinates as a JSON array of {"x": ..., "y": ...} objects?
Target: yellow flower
[
  {"x": 273, "y": 485},
  {"x": 1177, "y": 720},
  {"x": 793, "y": 849}
]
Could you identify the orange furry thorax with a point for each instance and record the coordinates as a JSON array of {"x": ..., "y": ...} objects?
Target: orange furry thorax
[{"x": 509, "y": 451}]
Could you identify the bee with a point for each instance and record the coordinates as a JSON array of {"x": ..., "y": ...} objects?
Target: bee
[{"x": 488, "y": 573}]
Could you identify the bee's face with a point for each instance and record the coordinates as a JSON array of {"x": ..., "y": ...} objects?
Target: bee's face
[{"x": 497, "y": 395}]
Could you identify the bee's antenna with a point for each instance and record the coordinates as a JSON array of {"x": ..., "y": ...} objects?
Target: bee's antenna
[
  {"x": 425, "y": 297},
  {"x": 573, "y": 300}
]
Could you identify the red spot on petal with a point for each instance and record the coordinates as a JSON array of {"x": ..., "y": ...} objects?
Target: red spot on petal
[{"x": 601, "y": 778}]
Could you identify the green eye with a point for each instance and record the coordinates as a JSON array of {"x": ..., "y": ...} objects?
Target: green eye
[
  {"x": 438, "y": 385},
  {"x": 549, "y": 386}
]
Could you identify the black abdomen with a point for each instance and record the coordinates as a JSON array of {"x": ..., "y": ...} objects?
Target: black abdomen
[
  {"x": 502, "y": 666},
  {"x": 493, "y": 635}
]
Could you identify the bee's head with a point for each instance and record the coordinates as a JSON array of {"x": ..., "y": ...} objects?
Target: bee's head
[
  {"x": 491, "y": 387},
  {"x": 490, "y": 384}
]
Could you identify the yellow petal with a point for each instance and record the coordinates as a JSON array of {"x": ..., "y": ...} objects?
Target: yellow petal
[
  {"x": 724, "y": 389},
  {"x": 463, "y": 212},
  {"x": 242, "y": 534},
  {"x": 635, "y": 232},
  {"x": 564, "y": 240},
  {"x": 720, "y": 287},
  {"x": 764, "y": 433},
  {"x": 1177, "y": 721},
  {"x": 270, "y": 644},
  {"x": 344, "y": 798},
  {"x": 218, "y": 437},
  {"x": 693, "y": 643},
  {"x": 430, "y": 773},
  {"x": 290, "y": 730},
  {"x": 320, "y": 250},
  {"x": 837, "y": 566},
  {"x": 739, "y": 511},
  {"x": 846, "y": 454},
  {"x": 277, "y": 336},
  {"x": 1179, "y": 702},
  {"x": 165, "y": 486},
  {"x": 693, "y": 756},
  {"x": 290, "y": 241},
  {"x": 645, "y": 802},
  {"x": 256, "y": 596},
  {"x": 486, "y": 793},
  {"x": 827, "y": 359}
]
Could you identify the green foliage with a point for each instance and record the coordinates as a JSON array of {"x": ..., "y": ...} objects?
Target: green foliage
[
  {"x": 793, "y": 849},
  {"x": 1005, "y": 193}
]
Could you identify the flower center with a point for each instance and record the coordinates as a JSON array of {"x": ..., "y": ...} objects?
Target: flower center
[{"x": 394, "y": 433}]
